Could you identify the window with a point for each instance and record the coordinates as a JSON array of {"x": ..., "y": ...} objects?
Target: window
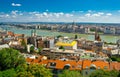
[
  {"x": 67, "y": 66},
  {"x": 53, "y": 64}
]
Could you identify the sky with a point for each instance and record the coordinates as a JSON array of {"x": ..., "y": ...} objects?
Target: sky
[{"x": 100, "y": 11}]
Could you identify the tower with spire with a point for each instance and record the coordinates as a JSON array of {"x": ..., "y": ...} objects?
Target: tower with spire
[
  {"x": 33, "y": 33},
  {"x": 97, "y": 36},
  {"x": 34, "y": 37}
]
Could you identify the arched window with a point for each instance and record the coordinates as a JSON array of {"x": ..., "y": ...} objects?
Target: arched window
[
  {"x": 67, "y": 66},
  {"x": 92, "y": 66}
]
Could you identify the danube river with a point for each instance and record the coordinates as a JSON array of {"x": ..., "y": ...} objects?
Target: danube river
[{"x": 107, "y": 38}]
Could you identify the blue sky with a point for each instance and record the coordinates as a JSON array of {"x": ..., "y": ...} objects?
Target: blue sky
[{"x": 107, "y": 11}]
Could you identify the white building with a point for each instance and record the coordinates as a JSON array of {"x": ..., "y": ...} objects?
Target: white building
[
  {"x": 115, "y": 52},
  {"x": 28, "y": 47},
  {"x": 4, "y": 46}
]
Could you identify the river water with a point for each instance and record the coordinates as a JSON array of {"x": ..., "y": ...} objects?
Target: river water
[{"x": 106, "y": 38}]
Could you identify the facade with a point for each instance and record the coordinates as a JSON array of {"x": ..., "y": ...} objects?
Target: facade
[
  {"x": 4, "y": 46},
  {"x": 87, "y": 29},
  {"x": 49, "y": 43},
  {"x": 109, "y": 30},
  {"x": 98, "y": 46},
  {"x": 117, "y": 31}
]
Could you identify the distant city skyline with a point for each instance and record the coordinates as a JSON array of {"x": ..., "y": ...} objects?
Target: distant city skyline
[{"x": 100, "y": 11}]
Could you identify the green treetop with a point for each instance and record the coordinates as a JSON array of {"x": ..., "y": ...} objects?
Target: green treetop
[{"x": 10, "y": 58}]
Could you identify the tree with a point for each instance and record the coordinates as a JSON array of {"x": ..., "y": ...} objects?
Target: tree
[
  {"x": 59, "y": 36},
  {"x": 76, "y": 36},
  {"x": 115, "y": 58},
  {"x": 8, "y": 73},
  {"x": 23, "y": 43},
  {"x": 33, "y": 70},
  {"x": 10, "y": 58},
  {"x": 68, "y": 73},
  {"x": 114, "y": 73},
  {"x": 40, "y": 49},
  {"x": 61, "y": 47},
  {"x": 102, "y": 73},
  {"x": 32, "y": 49}
]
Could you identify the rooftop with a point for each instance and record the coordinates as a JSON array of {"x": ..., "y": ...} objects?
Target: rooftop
[
  {"x": 77, "y": 65},
  {"x": 66, "y": 43}
]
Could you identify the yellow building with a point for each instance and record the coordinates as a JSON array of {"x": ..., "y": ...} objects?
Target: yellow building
[{"x": 67, "y": 44}]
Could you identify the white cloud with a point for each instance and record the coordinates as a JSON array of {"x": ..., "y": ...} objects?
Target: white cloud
[
  {"x": 88, "y": 15},
  {"x": 7, "y": 15},
  {"x": 45, "y": 14},
  {"x": 36, "y": 16},
  {"x": 13, "y": 4},
  {"x": 13, "y": 16},
  {"x": 21, "y": 14},
  {"x": 4, "y": 16},
  {"x": 90, "y": 11},
  {"x": 68, "y": 15},
  {"x": 100, "y": 13},
  {"x": 108, "y": 14},
  {"x": 61, "y": 13},
  {"x": 96, "y": 15},
  {"x": 14, "y": 12},
  {"x": 50, "y": 14},
  {"x": 58, "y": 14},
  {"x": 35, "y": 12}
]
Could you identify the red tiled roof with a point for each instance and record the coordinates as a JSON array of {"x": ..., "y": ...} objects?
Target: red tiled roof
[
  {"x": 77, "y": 65},
  {"x": 17, "y": 35},
  {"x": 86, "y": 64},
  {"x": 73, "y": 64},
  {"x": 10, "y": 33},
  {"x": 101, "y": 64},
  {"x": 29, "y": 60},
  {"x": 35, "y": 61},
  {"x": 44, "y": 62},
  {"x": 115, "y": 66}
]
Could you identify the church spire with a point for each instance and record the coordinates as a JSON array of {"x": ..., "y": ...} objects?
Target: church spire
[{"x": 97, "y": 36}]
